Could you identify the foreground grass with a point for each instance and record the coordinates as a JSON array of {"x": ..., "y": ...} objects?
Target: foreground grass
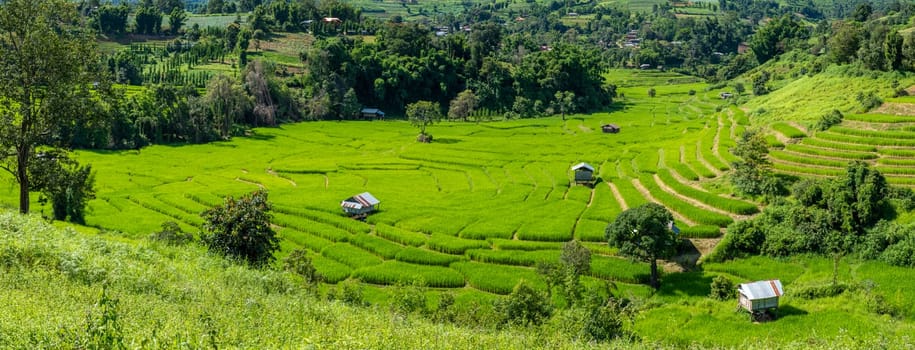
[{"x": 182, "y": 297}]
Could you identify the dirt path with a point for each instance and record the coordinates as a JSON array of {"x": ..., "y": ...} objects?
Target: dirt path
[
  {"x": 704, "y": 162},
  {"x": 618, "y": 196},
  {"x": 591, "y": 199},
  {"x": 799, "y": 127},
  {"x": 326, "y": 181},
  {"x": 250, "y": 182},
  {"x": 291, "y": 182},
  {"x": 716, "y": 144},
  {"x": 645, "y": 193},
  {"x": 657, "y": 179},
  {"x": 584, "y": 128}
]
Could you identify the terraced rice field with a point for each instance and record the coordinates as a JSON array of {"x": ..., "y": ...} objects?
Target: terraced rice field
[
  {"x": 477, "y": 208},
  {"x": 883, "y": 140}
]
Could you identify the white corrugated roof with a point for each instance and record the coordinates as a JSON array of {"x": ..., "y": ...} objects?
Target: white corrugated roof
[
  {"x": 366, "y": 198},
  {"x": 762, "y": 289},
  {"x": 583, "y": 165}
]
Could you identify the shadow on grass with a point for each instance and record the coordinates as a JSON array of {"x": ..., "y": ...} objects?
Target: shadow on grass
[
  {"x": 685, "y": 283},
  {"x": 790, "y": 310},
  {"x": 446, "y": 141}
]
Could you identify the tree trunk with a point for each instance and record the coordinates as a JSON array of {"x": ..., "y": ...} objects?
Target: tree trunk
[
  {"x": 835, "y": 269},
  {"x": 22, "y": 174},
  {"x": 654, "y": 274}
]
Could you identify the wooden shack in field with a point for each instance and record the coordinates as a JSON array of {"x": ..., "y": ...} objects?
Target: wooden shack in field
[
  {"x": 610, "y": 128},
  {"x": 584, "y": 173},
  {"x": 759, "y": 297},
  {"x": 371, "y": 113},
  {"x": 360, "y": 205}
]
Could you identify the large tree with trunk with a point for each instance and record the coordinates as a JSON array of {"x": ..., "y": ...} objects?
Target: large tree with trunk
[
  {"x": 644, "y": 233},
  {"x": 44, "y": 79}
]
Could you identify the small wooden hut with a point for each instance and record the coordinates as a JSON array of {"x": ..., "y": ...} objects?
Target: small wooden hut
[
  {"x": 759, "y": 298},
  {"x": 360, "y": 205},
  {"x": 610, "y": 128},
  {"x": 584, "y": 173},
  {"x": 371, "y": 113}
]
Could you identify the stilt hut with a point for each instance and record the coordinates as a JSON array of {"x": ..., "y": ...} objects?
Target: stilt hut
[
  {"x": 584, "y": 173},
  {"x": 760, "y": 298},
  {"x": 610, "y": 128},
  {"x": 360, "y": 205}
]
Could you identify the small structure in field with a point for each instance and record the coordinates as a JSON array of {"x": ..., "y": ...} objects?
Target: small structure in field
[
  {"x": 371, "y": 113},
  {"x": 360, "y": 205},
  {"x": 760, "y": 298},
  {"x": 584, "y": 173},
  {"x": 610, "y": 128},
  {"x": 725, "y": 95}
]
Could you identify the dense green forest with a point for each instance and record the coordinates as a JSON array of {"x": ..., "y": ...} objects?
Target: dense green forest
[{"x": 191, "y": 158}]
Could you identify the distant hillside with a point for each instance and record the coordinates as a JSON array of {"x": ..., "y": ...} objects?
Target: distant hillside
[{"x": 806, "y": 98}]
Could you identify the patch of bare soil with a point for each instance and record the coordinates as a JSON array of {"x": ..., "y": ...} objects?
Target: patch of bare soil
[
  {"x": 691, "y": 251},
  {"x": 618, "y": 196},
  {"x": 896, "y": 108}
]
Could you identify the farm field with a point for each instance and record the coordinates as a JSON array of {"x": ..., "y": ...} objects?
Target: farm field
[
  {"x": 884, "y": 141},
  {"x": 447, "y": 207}
]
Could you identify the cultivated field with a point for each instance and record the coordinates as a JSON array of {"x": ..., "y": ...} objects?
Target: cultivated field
[{"x": 483, "y": 199}]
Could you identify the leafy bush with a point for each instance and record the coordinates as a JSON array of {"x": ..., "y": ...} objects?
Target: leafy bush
[
  {"x": 524, "y": 306},
  {"x": 410, "y": 298},
  {"x": 349, "y": 292},
  {"x": 816, "y": 292},
  {"x": 300, "y": 264},
  {"x": 64, "y": 183},
  {"x": 827, "y": 120},
  {"x": 241, "y": 229},
  {"x": 722, "y": 288}
]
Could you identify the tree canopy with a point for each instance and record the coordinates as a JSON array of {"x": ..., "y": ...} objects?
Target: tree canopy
[
  {"x": 644, "y": 233},
  {"x": 44, "y": 76}
]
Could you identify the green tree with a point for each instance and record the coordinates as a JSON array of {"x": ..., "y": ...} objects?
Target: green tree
[
  {"x": 422, "y": 114},
  {"x": 64, "y": 183},
  {"x": 44, "y": 79},
  {"x": 351, "y": 106},
  {"x": 651, "y": 92},
  {"x": 751, "y": 172},
  {"x": 462, "y": 106},
  {"x": 226, "y": 102},
  {"x": 240, "y": 228},
  {"x": 176, "y": 19},
  {"x": 759, "y": 83},
  {"x": 565, "y": 101},
  {"x": 644, "y": 233},
  {"x": 576, "y": 257},
  {"x": 892, "y": 50}
]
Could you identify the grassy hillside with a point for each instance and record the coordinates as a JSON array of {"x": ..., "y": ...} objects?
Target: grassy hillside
[{"x": 805, "y": 98}]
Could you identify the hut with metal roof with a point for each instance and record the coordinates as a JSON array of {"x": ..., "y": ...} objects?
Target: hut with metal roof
[
  {"x": 584, "y": 173},
  {"x": 760, "y": 296},
  {"x": 371, "y": 113},
  {"x": 610, "y": 128},
  {"x": 360, "y": 204}
]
